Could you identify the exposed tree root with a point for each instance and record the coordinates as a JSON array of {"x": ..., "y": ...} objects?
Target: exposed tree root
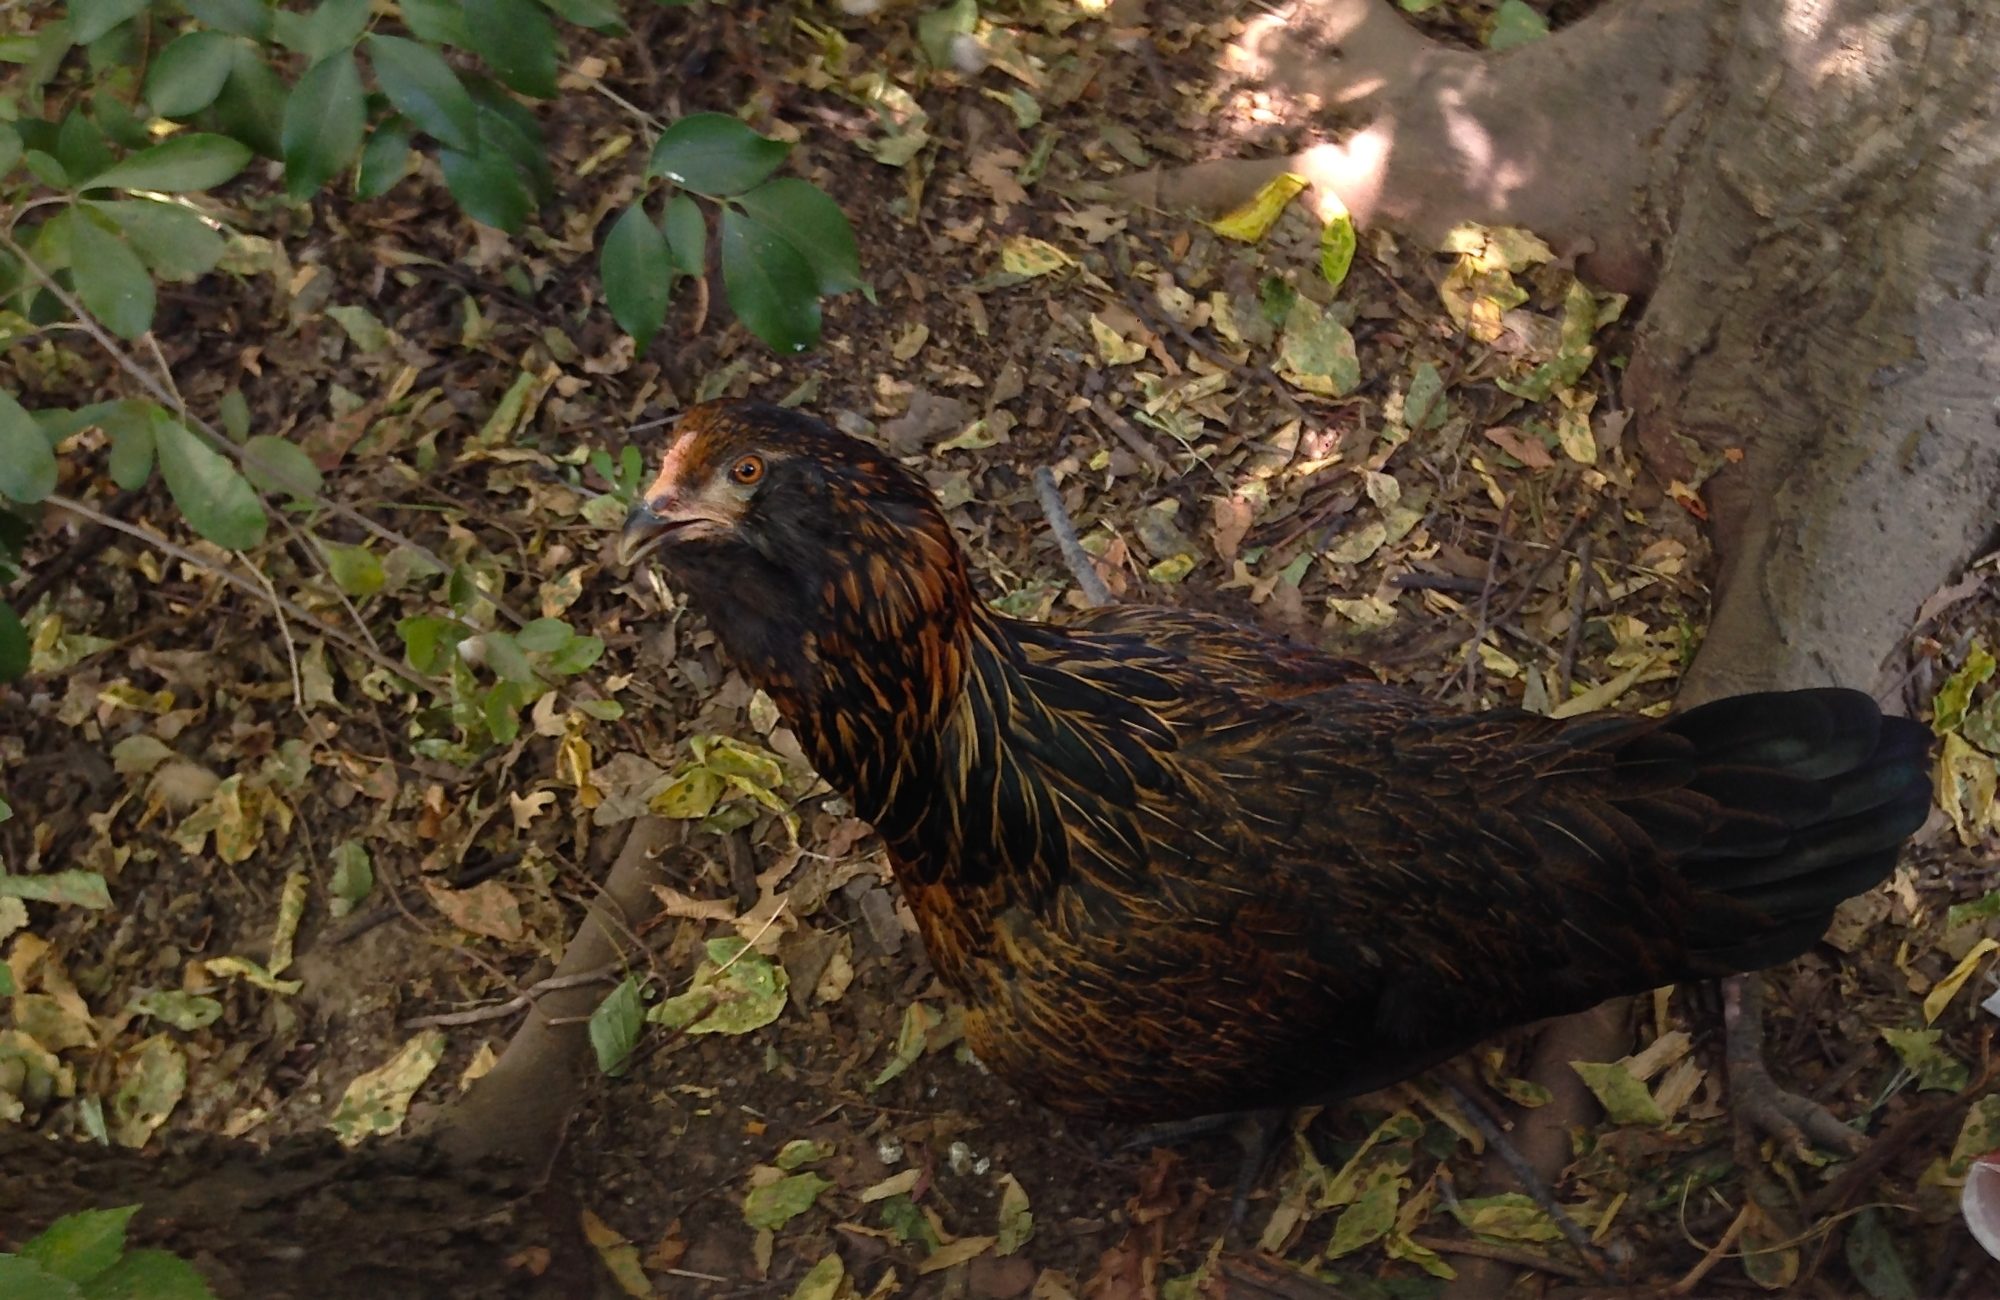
[
  {"x": 466, "y": 1210},
  {"x": 1565, "y": 136}
]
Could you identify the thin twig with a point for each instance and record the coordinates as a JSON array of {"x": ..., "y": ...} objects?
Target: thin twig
[
  {"x": 1115, "y": 421},
  {"x": 1080, "y": 564},
  {"x": 291, "y": 646},
  {"x": 1470, "y": 668},
  {"x": 1505, "y": 1255},
  {"x": 241, "y": 583},
  {"x": 1497, "y": 1138},
  {"x": 1716, "y": 1253},
  {"x": 1579, "y": 600}
]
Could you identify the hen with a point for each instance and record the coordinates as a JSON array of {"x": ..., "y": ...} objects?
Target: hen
[{"x": 1175, "y": 866}]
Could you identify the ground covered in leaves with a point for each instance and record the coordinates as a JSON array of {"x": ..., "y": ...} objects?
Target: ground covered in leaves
[{"x": 326, "y": 890}]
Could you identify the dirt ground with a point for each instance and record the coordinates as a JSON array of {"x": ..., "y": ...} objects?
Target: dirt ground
[{"x": 1448, "y": 510}]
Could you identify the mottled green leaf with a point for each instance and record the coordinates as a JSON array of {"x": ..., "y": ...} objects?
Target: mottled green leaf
[{"x": 777, "y": 1204}]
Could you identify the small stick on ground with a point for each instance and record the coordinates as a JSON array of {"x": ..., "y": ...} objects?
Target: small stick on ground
[
  {"x": 1496, "y": 1137},
  {"x": 1505, "y": 1255},
  {"x": 1579, "y": 600},
  {"x": 1081, "y": 566},
  {"x": 1715, "y": 1254}
]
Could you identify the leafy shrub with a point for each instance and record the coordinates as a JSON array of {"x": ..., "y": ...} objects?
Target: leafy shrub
[
  {"x": 176, "y": 100},
  {"x": 84, "y": 1255}
]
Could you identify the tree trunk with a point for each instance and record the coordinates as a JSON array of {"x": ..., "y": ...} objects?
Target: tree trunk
[{"x": 1810, "y": 196}]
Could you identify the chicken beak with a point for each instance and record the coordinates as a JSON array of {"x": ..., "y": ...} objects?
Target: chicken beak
[{"x": 644, "y": 527}]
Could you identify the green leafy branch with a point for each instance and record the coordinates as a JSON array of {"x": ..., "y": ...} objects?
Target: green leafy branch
[
  {"x": 783, "y": 243},
  {"x": 83, "y": 1256}
]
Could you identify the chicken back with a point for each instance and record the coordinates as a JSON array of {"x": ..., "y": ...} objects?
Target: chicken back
[{"x": 1177, "y": 866}]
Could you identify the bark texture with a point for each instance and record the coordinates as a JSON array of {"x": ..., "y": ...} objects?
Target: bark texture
[{"x": 1826, "y": 305}]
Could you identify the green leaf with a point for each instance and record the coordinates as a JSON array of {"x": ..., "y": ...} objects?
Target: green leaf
[
  {"x": 771, "y": 287},
  {"x": 802, "y": 215},
  {"x": 218, "y": 501},
  {"x": 81, "y": 147},
  {"x": 597, "y": 15},
  {"x": 13, "y": 646},
  {"x": 329, "y": 26},
  {"x": 1933, "y": 1066},
  {"x": 428, "y": 640},
  {"x": 735, "y": 990},
  {"x": 90, "y": 19},
  {"x": 544, "y": 635},
  {"x": 356, "y": 570},
  {"x": 1336, "y": 248},
  {"x": 1624, "y": 1098},
  {"x": 324, "y": 121},
  {"x": 23, "y": 1279},
  {"x": 776, "y": 1204},
  {"x": 1874, "y": 1260},
  {"x": 27, "y": 462},
  {"x": 578, "y": 654},
  {"x": 273, "y": 464},
  {"x": 518, "y": 42},
  {"x": 1515, "y": 23},
  {"x": 182, "y": 1010},
  {"x": 110, "y": 278},
  {"x": 423, "y": 87},
  {"x": 436, "y": 22},
  {"x": 251, "y": 18},
  {"x": 190, "y": 72},
  {"x": 6, "y": 991},
  {"x": 63, "y": 888},
  {"x": 129, "y": 425},
  {"x": 252, "y": 105},
  {"x": 615, "y": 1026},
  {"x": 173, "y": 241},
  {"x": 10, "y": 148},
  {"x": 489, "y": 189},
  {"x": 1984, "y": 908},
  {"x": 509, "y": 131},
  {"x": 149, "y": 1275},
  {"x": 353, "y": 876},
  {"x": 714, "y": 154},
  {"x": 198, "y": 160},
  {"x": 638, "y": 274},
  {"x": 504, "y": 657},
  {"x": 1955, "y": 696},
  {"x": 687, "y": 235},
  {"x": 385, "y": 160}
]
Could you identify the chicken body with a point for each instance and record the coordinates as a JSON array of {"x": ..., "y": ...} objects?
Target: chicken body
[{"x": 1175, "y": 866}]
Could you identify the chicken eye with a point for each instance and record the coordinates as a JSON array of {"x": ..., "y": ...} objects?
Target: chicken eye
[{"x": 748, "y": 470}]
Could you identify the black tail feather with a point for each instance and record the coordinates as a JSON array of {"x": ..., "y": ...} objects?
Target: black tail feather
[{"x": 1820, "y": 792}]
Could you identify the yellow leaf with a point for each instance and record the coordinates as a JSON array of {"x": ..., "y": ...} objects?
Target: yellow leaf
[
  {"x": 1250, "y": 222},
  {"x": 1113, "y": 347},
  {"x": 1026, "y": 255},
  {"x": 1967, "y": 780},
  {"x": 291, "y": 907},
  {"x": 956, "y": 1253},
  {"x": 376, "y": 1102},
  {"x": 1947, "y": 988}
]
